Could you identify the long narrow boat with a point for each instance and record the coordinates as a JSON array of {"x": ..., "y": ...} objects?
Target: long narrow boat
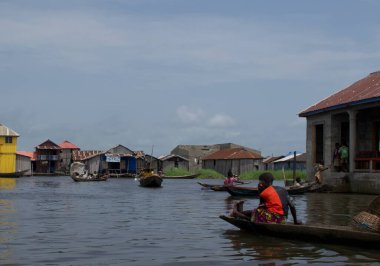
[
  {"x": 89, "y": 178},
  {"x": 181, "y": 176},
  {"x": 253, "y": 191},
  {"x": 312, "y": 233},
  {"x": 213, "y": 187},
  {"x": 218, "y": 187},
  {"x": 14, "y": 174}
]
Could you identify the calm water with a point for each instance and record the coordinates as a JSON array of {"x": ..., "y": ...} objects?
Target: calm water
[{"x": 55, "y": 221}]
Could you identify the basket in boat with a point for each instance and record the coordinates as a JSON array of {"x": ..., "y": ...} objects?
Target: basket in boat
[
  {"x": 374, "y": 207},
  {"x": 367, "y": 221}
]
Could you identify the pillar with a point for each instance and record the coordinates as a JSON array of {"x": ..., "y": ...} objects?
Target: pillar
[{"x": 352, "y": 144}]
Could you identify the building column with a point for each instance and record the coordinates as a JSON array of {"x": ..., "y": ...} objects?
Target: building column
[{"x": 352, "y": 144}]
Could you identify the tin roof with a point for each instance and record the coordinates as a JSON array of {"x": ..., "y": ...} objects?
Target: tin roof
[
  {"x": 230, "y": 154},
  {"x": 272, "y": 158},
  {"x": 300, "y": 157},
  {"x": 68, "y": 145},
  {"x": 82, "y": 155},
  {"x": 6, "y": 131},
  {"x": 48, "y": 145},
  {"x": 366, "y": 90},
  {"x": 30, "y": 154},
  {"x": 171, "y": 156}
]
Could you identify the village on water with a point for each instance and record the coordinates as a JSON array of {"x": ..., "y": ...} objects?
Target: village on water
[
  {"x": 346, "y": 124},
  {"x": 350, "y": 117}
]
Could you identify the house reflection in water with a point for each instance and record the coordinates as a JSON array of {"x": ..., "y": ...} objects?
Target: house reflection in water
[{"x": 7, "y": 183}]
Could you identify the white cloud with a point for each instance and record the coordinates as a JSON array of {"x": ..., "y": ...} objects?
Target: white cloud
[
  {"x": 220, "y": 120},
  {"x": 187, "y": 115}
]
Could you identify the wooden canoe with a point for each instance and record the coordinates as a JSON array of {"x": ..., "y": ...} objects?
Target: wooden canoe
[
  {"x": 312, "y": 233},
  {"x": 78, "y": 178},
  {"x": 152, "y": 180},
  {"x": 14, "y": 174},
  {"x": 181, "y": 176},
  {"x": 213, "y": 187},
  {"x": 253, "y": 191}
]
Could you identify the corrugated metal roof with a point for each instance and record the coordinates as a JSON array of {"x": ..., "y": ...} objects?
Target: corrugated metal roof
[
  {"x": 6, "y": 131},
  {"x": 82, "y": 155},
  {"x": 170, "y": 156},
  {"x": 48, "y": 145},
  {"x": 363, "y": 91},
  {"x": 32, "y": 155},
  {"x": 300, "y": 157},
  {"x": 68, "y": 145},
  {"x": 272, "y": 158},
  {"x": 230, "y": 154}
]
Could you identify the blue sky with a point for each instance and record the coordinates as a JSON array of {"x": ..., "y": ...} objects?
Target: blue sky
[{"x": 145, "y": 73}]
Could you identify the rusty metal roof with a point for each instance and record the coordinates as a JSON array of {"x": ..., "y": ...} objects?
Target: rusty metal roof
[
  {"x": 363, "y": 91},
  {"x": 48, "y": 145},
  {"x": 78, "y": 155},
  {"x": 68, "y": 145},
  {"x": 6, "y": 131},
  {"x": 231, "y": 154}
]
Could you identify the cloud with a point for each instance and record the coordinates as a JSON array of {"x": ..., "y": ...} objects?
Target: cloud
[
  {"x": 187, "y": 115},
  {"x": 220, "y": 120}
]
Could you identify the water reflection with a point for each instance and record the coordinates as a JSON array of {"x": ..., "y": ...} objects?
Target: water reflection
[
  {"x": 7, "y": 183},
  {"x": 335, "y": 209},
  {"x": 8, "y": 229},
  {"x": 275, "y": 251}
]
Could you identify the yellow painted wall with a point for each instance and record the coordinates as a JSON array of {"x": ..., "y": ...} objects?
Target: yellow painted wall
[{"x": 8, "y": 155}]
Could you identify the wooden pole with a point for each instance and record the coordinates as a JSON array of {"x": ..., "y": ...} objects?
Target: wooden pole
[{"x": 294, "y": 167}]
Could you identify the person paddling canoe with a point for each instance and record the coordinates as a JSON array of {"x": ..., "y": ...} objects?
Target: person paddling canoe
[{"x": 273, "y": 207}]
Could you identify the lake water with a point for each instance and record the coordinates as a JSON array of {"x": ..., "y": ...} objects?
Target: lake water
[{"x": 55, "y": 221}]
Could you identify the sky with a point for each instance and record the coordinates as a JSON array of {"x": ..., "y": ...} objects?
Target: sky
[{"x": 154, "y": 74}]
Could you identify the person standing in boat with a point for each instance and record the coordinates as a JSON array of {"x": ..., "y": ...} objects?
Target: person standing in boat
[
  {"x": 230, "y": 179},
  {"x": 273, "y": 207}
]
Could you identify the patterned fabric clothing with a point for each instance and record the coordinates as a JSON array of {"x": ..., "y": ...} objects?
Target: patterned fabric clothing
[
  {"x": 230, "y": 181},
  {"x": 262, "y": 215}
]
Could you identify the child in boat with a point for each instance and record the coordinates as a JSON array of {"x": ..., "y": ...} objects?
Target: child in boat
[
  {"x": 230, "y": 179},
  {"x": 273, "y": 207}
]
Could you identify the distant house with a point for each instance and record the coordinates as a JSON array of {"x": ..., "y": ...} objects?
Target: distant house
[
  {"x": 66, "y": 155},
  {"x": 268, "y": 162},
  {"x": 195, "y": 153},
  {"x": 173, "y": 160},
  {"x": 290, "y": 163},
  {"x": 350, "y": 116},
  {"x": 118, "y": 161},
  {"x": 239, "y": 160},
  {"x": 8, "y": 147},
  {"x": 47, "y": 160}
]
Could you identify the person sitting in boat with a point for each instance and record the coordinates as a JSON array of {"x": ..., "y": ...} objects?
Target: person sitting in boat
[
  {"x": 273, "y": 207},
  {"x": 230, "y": 179}
]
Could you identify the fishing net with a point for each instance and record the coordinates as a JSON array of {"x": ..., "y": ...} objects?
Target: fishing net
[{"x": 77, "y": 167}]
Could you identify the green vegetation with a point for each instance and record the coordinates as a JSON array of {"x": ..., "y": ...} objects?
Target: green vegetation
[
  {"x": 175, "y": 171},
  {"x": 277, "y": 174},
  {"x": 209, "y": 173}
]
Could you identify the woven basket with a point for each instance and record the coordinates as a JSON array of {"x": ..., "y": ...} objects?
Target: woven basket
[
  {"x": 367, "y": 221},
  {"x": 374, "y": 207}
]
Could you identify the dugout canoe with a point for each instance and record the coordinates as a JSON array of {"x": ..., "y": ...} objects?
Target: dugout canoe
[
  {"x": 213, "y": 187},
  {"x": 253, "y": 191},
  {"x": 345, "y": 235},
  {"x": 181, "y": 176}
]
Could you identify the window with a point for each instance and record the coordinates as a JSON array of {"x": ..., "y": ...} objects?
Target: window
[{"x": 8, "y": 139}]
